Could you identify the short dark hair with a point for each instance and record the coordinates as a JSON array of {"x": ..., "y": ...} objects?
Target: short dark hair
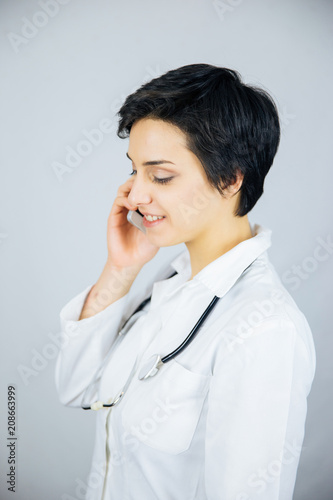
[{"x": 231, "y": 127}]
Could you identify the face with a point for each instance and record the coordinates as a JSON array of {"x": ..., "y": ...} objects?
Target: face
[{"x": 169, "y": 181}]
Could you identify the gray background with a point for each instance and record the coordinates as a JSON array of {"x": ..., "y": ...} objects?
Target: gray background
[{"x": 66, "y": 77}]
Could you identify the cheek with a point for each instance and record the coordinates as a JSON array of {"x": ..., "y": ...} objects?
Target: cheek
[
  {"x": 199, "y": 200},
  {"x": 187, "y": 203},
  {"x": 188, "y": 207}
]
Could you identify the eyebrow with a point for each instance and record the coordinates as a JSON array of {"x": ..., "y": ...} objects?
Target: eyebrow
[{"x": 153, "y": 162}]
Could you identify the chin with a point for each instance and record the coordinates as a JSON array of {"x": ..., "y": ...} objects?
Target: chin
[{"x": 161, "y": 240}]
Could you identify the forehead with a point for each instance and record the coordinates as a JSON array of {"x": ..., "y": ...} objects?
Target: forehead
[{"x": 156, "y": 134}]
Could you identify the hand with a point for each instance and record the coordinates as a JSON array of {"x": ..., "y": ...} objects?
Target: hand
[{"x": 127, "y": 245}]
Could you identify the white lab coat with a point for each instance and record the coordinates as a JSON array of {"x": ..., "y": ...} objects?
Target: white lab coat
[{"x": 224, "y": 420}]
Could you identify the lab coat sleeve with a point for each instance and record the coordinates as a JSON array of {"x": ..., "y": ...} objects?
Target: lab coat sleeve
[
  {"x": 84, "y": 344},
  {"x": 257, "y": 407}
]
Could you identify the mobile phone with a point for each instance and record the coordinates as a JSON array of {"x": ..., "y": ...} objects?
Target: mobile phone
[{"x": 135, "y": 218}]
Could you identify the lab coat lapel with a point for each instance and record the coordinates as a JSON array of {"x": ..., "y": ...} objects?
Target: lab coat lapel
[{"x": 165, "y": 287}]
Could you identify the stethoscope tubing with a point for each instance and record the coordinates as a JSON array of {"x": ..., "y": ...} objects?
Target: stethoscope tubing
[
  {"x": 157, "y": 360},
  {"x": 163, "y": 360},
  {"x": 192, "y": 333}
]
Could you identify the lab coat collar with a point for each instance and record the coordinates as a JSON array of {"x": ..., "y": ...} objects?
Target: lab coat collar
[{"x": 222, "y": 273}]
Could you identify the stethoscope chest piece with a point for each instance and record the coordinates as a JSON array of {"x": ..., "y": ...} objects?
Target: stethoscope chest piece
[{"x": 151, "y": 367}]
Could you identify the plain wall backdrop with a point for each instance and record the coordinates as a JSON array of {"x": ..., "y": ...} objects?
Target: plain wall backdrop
[{"x": 67, "y": 66}]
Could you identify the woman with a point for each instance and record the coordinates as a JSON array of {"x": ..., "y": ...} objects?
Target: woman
[{"x": 224, "y": 419}]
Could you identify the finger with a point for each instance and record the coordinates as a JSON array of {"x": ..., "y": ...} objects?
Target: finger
[
  {"x": 124, "y": 190},
  {"x": 119, "y": 204},
  {"x": 126, "y": 186}
]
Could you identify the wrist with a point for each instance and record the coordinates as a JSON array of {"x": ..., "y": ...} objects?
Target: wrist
[{"x": 135, "y": 269}]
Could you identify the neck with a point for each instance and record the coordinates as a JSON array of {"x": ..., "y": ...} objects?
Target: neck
[{"x": 213, "y": 243}]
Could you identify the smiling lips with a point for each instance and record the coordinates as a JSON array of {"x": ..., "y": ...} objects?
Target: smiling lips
[
  {"x": 153, "y": 217},
  {"x": 152, "y": 220}
]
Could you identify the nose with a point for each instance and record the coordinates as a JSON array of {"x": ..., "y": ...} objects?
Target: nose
[{"x": 139, "y": 194}]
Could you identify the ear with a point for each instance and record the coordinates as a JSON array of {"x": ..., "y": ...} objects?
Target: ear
[{"x": 233, "y": 188}]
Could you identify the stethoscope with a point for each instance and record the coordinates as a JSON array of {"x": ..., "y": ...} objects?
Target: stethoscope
[{"x": 153, "y": 364}]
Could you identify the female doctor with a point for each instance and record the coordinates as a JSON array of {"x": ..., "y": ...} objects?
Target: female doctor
[{"x": 201, "y": 391}]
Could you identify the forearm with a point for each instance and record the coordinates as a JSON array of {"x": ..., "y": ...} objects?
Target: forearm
[{"x": 112, "y": 284}]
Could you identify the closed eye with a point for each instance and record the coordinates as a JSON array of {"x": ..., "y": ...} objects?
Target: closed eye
[{"x": 157, "y": 180}]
